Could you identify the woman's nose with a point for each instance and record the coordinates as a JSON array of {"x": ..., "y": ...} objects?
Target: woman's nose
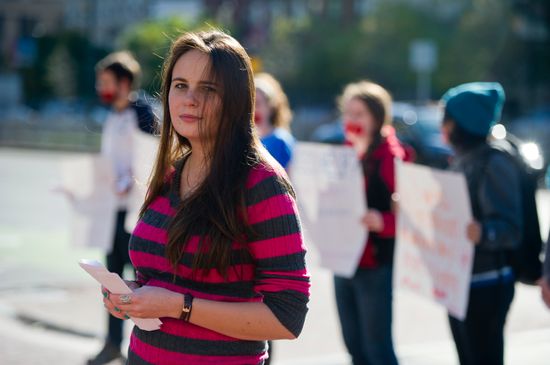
[{"x": 190, "y": 98}]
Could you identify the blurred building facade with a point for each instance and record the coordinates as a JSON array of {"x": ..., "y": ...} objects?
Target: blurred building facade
[{"x": 22, "y": 21}]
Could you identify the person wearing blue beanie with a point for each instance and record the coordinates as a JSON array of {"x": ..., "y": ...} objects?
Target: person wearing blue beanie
[
  {"x": 494, "y": 187},
  {"x": 475, "y": 106}
]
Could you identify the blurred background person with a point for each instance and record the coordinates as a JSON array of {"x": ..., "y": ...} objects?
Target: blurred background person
[
  {"x": 117, "y": 78},
  {"x": 365, "y": 301},
  {"x": 273, "y": 116},
  {"x": 494, "y": 188}
]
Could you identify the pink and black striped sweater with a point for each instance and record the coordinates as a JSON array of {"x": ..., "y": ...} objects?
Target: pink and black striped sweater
[{"x": 274, "y": 272}]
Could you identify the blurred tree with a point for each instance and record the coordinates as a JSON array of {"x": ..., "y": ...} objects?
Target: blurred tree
[
  {"x": 315, "y": 56},
  {"x": 474, "y": 44},
  {"x": 61, "y": 73},
  {"x": 46, "y": 76},
  {"x": 235, "y": 13},
  {"x": 149, "y": 42},
  {"x": 348, "y": 11},
  {"x": 212, "y": 8},
  {"x": 531, "y": 35},
  {"x": 308, "y": 59}
]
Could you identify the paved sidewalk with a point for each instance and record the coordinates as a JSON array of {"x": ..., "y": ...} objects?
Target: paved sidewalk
[{"x": 65, "y": 323}]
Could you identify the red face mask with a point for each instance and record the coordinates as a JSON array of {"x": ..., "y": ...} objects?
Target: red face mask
[
  {"x": 107, "y": 97},
  {"x": 352, "y": 127},
  {"x": 257, "y": 118}
]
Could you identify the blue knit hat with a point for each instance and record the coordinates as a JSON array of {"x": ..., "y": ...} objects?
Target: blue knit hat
[{"x": 475, "y": 106}]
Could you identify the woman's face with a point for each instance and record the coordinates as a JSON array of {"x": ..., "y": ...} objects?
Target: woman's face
[
  {"x": 359, "y": 122},
  {"x": 194, "y": 98},
  {"x": 262, "y": 112}
]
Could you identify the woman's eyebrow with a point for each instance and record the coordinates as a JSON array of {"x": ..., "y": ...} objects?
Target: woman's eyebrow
[
  {"x": 204, "y": 82},
  {"x": 178, "y": 79}
]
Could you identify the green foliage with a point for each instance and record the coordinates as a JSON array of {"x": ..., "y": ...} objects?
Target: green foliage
[
  {"x": 314, "y": 58},
  {"x": 308, "y": 59}
]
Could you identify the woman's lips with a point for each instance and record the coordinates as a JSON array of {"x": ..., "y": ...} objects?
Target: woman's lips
[{"x": 188, "y": 118}]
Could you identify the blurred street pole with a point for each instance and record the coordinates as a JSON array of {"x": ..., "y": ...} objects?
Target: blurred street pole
[
  {"x": 423, "y": 86},
  {"x": 423, "y": 60}
]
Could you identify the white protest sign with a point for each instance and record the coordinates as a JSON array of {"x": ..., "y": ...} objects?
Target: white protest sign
[
  {"x": 433, "y": 256},
  {"x": 330, "y": 188},
  {"x": 90, "y": 180}
]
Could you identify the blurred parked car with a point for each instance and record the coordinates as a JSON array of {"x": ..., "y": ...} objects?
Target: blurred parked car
[{"x": 416, "y": 126}]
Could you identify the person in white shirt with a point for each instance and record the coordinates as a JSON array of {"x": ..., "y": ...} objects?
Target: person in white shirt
[{"x": 117, "y": 78}]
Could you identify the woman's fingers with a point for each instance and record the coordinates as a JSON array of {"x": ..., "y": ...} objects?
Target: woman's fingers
[
  {"x": 373, "y": 220},
  {"x": 113, "y": 305}
]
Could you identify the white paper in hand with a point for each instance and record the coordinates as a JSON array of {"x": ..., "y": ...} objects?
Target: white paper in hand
[{"x": 114, "y": 283}]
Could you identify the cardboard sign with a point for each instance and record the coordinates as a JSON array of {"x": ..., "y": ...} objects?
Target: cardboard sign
[
  {"x": 433, "y": 256},
  {"x": 90, "y": 180},
  {"x": 330, "y": 188}
]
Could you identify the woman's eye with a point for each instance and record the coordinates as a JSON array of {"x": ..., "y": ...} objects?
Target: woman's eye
[
  {"x": 180, "y": 86},
  {"x": 209, "y": 89}
]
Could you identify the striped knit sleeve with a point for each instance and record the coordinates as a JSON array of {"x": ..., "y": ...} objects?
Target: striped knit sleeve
[{"x": 278, "y": 250}]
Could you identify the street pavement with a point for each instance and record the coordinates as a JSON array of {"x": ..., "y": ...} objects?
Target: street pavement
[{"x": 51, "y": 311}]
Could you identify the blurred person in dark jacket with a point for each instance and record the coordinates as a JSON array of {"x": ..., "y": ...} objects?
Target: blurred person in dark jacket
[{"x": 495, "y": 195}]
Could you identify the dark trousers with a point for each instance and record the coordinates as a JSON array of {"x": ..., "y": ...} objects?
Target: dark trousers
[
  {"x": 117, "y": 259},
  {"x": 479, "y": 339},
  {"x": 365, "y": 310}
]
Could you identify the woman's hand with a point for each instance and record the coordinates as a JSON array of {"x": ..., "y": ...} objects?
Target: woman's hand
[
  {"x": 111, "y": 308},
  {"x": 145, "y": 302},
  {"x": 373, "y": 221},
  {"x": 474, "y": 231}
]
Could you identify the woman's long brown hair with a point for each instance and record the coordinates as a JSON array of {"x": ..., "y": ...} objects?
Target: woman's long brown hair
[{"x": 215, "y": 211}]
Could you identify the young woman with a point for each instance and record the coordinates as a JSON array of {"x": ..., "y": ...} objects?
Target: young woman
[
  {"x": 218, "y": 250},
  {"x": 495, "y": 196},
  {"x": 273, "y": 116},
  {"x": 365, "y": 301}
]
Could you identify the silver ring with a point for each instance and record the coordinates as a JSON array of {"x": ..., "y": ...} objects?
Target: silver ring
[{"x": 125, "y": 299}]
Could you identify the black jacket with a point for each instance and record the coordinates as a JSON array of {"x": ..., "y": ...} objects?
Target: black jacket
[{"x": 495, "y": 195}]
